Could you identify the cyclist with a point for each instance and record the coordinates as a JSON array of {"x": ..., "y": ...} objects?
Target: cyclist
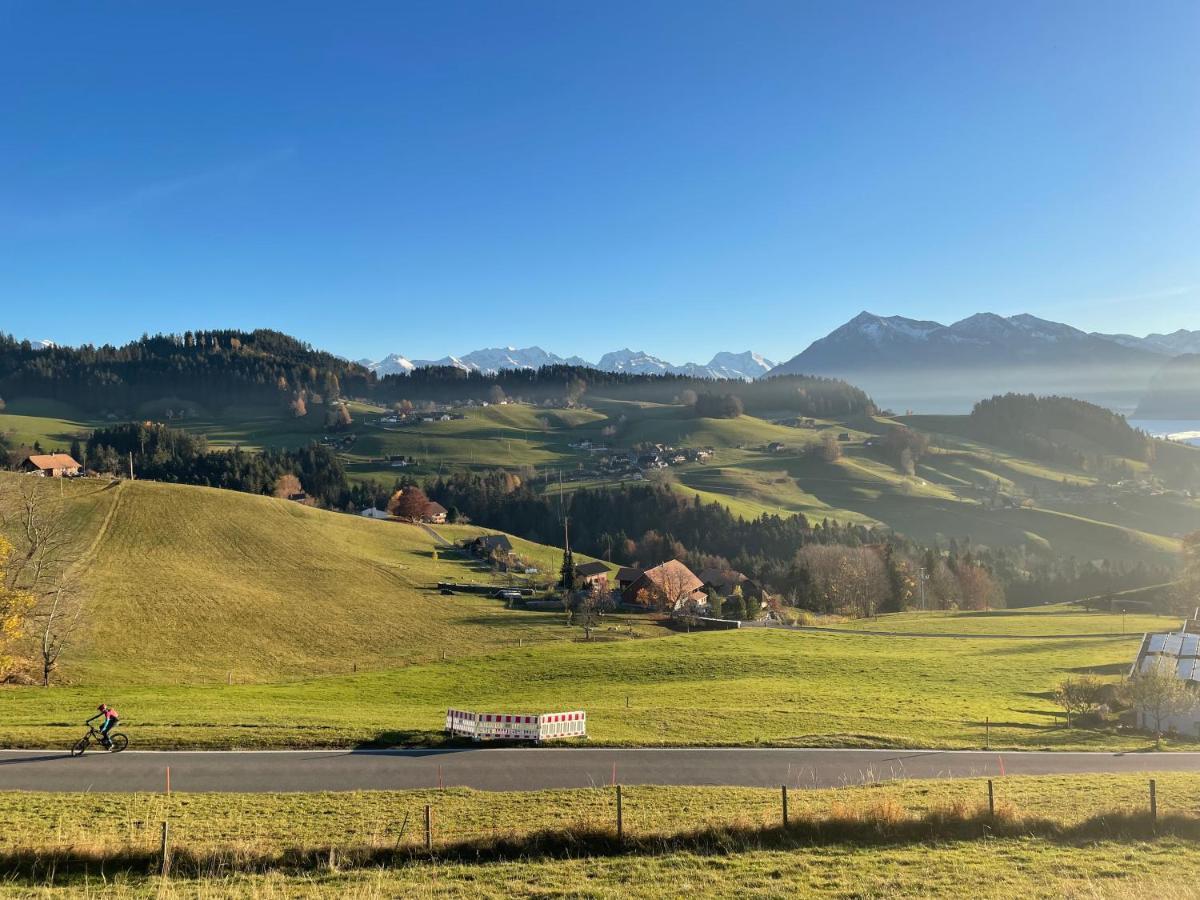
[{"x": 110, "y": 721}]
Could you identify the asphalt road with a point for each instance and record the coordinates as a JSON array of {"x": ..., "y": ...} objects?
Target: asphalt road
[{"x": 496, "y": 769}]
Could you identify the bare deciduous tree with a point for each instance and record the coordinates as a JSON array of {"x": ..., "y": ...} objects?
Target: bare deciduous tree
[
  {"x": 590, "y": 607},
  {"x": 1160, "y": 695},
  {"x": 42, "y": 565}
]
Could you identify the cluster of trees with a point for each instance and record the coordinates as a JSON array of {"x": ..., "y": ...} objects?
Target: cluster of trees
[
  {"x": 905, "y": 448},
  {"x": 802, "y": 394},
  {"x": 826, "y": 567},
  {"x": 169, "y": 454},
  {"x": 213, "y": 368},
  {"x": 718, "y": 406}
]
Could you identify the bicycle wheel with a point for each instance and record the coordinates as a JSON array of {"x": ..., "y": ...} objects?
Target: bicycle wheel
[
  {"x": 80, "y": 746},
  {"x": 118, "y": 741}
]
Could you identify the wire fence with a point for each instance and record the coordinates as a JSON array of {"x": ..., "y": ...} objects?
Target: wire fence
[{"x": 253, "y": 832}]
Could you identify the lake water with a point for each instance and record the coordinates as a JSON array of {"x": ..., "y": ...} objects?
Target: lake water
[{"x": 1187, "y": 430}]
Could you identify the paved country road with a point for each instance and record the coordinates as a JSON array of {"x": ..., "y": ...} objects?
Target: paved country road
[{"x": 533, "y": 769}]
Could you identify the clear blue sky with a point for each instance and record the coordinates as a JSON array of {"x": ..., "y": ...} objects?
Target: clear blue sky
[{"x": 680, "y": 177}]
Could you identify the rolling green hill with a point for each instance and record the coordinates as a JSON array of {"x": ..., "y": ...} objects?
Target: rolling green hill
[
  {"x": 961, "y": 487},
  {"x": 187, "y": 584}
]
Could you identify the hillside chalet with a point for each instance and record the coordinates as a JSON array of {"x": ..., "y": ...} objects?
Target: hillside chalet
[
  {"x": 51, "y": 465},
  {"x": 486, "y": 545},
  {"x": 435, "y": 514},
  {"x": 592, "y": 575}
]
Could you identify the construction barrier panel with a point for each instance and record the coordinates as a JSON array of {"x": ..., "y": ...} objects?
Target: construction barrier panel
[{"x": 513, "y": 727}]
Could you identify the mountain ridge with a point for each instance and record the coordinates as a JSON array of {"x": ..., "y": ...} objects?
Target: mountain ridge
[{"x": 745, "y": 366}]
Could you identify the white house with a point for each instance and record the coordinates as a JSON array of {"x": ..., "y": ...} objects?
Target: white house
[{"x": 1181, "y": 652}]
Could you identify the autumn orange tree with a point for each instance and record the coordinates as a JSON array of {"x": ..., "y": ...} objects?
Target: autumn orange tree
[{"x": 410, "y": 503}]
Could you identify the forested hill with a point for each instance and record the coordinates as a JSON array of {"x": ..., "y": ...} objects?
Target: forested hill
[
  {"x": 1079, "y": 434},
  {"x": 220, "y": 368},
  {"x": 215, "y": 368}
]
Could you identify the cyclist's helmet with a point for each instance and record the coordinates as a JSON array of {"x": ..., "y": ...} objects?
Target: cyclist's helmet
[{"x": 102, "y": 707}]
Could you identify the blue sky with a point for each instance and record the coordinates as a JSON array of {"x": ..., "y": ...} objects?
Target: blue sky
[{"x": 680, "y": 177}]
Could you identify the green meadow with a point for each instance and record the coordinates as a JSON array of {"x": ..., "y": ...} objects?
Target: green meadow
[{"x": 943, "y": 499}]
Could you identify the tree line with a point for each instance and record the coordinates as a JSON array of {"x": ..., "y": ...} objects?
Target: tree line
[
  {"x": 218, "y": 368},
  {"x": 824, "y": 566},
  {"x": 162, "y": 453}
]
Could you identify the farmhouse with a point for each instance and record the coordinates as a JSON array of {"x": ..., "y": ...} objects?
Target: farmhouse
[
  {"x": 435, "y": 514},
  {"x": 627, "y": 575},
  {"x": 51, "y": 465},
  {"x": 487, "y": 544},
  {"x": 670, "y": 586},
  {"x": 592, "y": 574},
  {"x": 373, "y": 513}
]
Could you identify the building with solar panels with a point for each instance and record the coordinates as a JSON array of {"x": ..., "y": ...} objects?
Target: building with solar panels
[{"x": 1181, "y": 652}]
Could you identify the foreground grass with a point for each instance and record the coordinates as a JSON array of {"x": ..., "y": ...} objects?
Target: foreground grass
[
  {"x": 722, "y": 688},
  {"x": 1082, "y": 836}
]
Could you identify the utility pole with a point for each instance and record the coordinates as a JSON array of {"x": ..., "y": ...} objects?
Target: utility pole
[
  {"x": 131, "y": 465},
  {"x": 921, "y": 575}
]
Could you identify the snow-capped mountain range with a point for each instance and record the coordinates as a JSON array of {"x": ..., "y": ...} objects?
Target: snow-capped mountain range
[
  {"x": 744, "y": 366},
  {"x": 871, "y": 342}
]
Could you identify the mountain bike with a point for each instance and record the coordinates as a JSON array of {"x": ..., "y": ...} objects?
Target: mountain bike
[{"x": 116, "y": 741}]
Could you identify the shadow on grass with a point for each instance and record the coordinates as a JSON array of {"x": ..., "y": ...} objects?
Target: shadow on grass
[
  {"x": 883, "y": 826},
  {"x": 412, "y": 740},
  {"x": 1117, "y": 668}
]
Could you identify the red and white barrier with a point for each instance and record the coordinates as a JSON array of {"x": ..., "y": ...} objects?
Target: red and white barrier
[{"x": 512, "y": 727}]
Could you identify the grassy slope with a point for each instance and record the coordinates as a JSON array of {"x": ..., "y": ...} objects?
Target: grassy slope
[
  {"x": 985, "y": 867},
  {"x": 190, "y": 584}
]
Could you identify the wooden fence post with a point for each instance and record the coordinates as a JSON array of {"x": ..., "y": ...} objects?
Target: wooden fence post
[
  {"x": 428, "y": 827},
  {"x": 620, "y": 817},
  {"x": 165, "y": 849},
  {"x": 783, "y": 791},
  {"x": 991, "y": 800},
  {"x": 1153, "y": 802}
]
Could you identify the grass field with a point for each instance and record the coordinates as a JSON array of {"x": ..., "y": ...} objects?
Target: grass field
[
  {"x": 730, "y": 688},
  {"x": 332, "y": 634},
  {"x": 1057, "y": 619},
  {"x": 1084, "y": 836}
]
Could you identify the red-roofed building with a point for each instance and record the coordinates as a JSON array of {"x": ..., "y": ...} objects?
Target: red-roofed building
[{"x": 51, "y": 465}]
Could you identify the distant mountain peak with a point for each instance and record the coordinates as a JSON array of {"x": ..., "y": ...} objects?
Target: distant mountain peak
[{"x": 745, "y": 366}]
